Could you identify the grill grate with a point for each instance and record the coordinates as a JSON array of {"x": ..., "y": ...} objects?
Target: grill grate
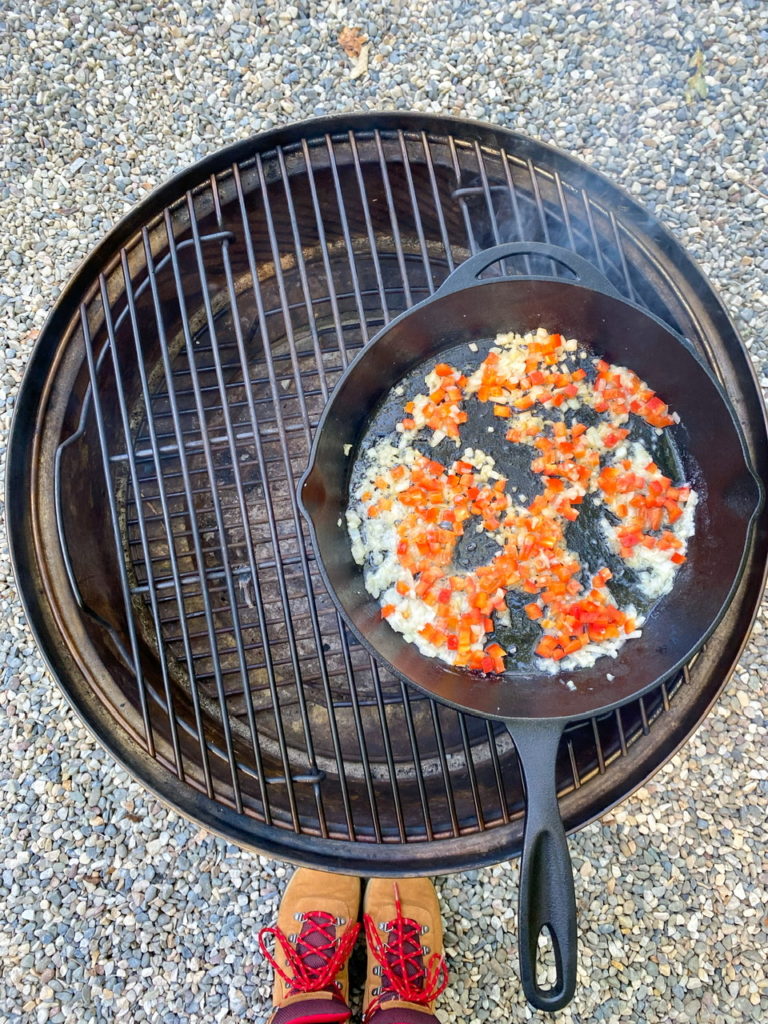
[{"x": 211, "y": 343}]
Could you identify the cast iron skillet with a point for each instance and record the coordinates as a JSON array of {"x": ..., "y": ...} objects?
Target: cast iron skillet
[{"x": 707, "y": 450}]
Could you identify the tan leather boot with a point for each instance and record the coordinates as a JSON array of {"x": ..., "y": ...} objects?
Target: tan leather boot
[
  {"x": 314, "y": 934},
  {"x": 406, "y": 965}
]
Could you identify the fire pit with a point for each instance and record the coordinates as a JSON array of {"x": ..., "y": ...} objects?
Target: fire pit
[{"x": 165, "y": 418}]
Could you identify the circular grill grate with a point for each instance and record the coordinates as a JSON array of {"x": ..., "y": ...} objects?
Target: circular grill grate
[{"x": 203, "y": 350}]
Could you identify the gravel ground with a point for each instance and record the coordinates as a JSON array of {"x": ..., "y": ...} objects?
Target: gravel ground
[{"x": 113, "y": 908}]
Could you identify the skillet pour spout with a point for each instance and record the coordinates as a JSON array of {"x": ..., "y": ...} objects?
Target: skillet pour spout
[{"x": 534, "y": 704}]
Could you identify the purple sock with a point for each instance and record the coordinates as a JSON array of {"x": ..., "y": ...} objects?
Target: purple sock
[
  {"x": 312, "y": 1011},
  {"x": 393, "y": 1016}
]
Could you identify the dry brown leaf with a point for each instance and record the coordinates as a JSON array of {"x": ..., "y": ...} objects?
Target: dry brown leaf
[{"x": 352, "y": 40}]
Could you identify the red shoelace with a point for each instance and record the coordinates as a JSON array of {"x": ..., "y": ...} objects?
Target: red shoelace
[
  {"x": 401, "y": 959},
  {"x": 317, "y": 955}
]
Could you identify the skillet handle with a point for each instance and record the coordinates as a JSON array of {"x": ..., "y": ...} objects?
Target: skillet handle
[
  {"x": 466, "y": 273},
  {"x": 546, "y": 897}
]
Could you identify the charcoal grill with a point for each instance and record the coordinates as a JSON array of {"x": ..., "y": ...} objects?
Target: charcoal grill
[{"x": 165, "y": 418}]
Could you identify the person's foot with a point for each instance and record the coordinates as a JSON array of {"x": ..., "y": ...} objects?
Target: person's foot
[
  {"x": 314, "y": 934},
  {"x": 406, "y": 965}
]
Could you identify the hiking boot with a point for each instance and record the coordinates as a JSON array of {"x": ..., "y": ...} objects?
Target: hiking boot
[
  {"x": 314, "y": 934},
  {"x": 406, "y": 966}
]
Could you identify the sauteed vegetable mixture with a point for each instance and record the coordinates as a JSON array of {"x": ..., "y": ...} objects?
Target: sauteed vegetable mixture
[{"x": 408, "y": 512}]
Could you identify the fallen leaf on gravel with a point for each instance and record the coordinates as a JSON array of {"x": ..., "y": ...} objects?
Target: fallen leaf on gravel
[
  {"x": 352, "y": 40},
  {"x": 696, "y": 84}
]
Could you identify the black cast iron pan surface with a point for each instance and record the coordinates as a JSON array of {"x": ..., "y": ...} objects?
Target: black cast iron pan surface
[{"x": 706, "y": 449}]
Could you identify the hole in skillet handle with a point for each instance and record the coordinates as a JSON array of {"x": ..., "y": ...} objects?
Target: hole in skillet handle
[
  {"x": 467, "y": 273},
  {"x": 545, "y": 952}
]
